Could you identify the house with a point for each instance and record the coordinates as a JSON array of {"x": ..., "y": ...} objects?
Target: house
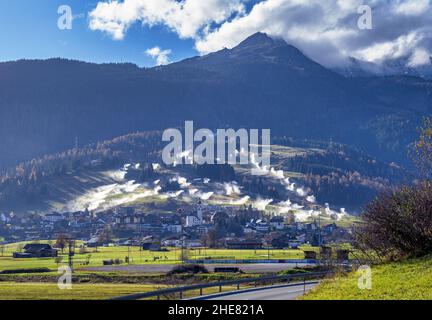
[
  {"x": 174, "y": 228},
  {"x": 277, "y": 223},
  {"x": 192, "y": 221},
  {"x": 244, "y": 245},
  {"x": 53, "y": 217},
  {"x": 262, "y": 226},
  {"x": 37, "y": 250}
]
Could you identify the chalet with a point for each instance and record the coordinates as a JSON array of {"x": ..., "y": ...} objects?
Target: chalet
[{"x": 37, "y": 250}]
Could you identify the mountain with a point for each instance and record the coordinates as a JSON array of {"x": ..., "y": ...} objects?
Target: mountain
[
  {"x": 393, "y": 67},
  {"x": 47, "y": 106}
]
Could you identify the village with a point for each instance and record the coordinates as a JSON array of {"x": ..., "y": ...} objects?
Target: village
[{"x": 191, "y": 226}]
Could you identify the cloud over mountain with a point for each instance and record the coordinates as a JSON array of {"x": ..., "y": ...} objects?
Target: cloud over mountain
[
  {"x": 160, "y": 56},
  {"x": 327, "y": 31}
]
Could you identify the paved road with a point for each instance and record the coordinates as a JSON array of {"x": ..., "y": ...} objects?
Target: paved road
[
  {"x": 164, "y": 268},
  {"x": 269, "y": 293}
]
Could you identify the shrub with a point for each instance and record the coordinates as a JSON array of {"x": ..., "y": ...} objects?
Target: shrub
[
  {"x": 32, "y": 270},
  {"x": 188, "y": 269},
  {"x": 399, "y": 223}
]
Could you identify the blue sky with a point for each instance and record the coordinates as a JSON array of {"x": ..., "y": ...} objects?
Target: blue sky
[
  {"x": 124, "y": 30},
  {"x": 28, "y": 29}
]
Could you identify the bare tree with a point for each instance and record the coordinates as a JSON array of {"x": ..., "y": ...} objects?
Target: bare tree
[{"x": 399, "y": 223}]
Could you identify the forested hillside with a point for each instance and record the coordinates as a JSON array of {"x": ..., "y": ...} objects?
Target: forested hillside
[{"x": 50, "y": 106}]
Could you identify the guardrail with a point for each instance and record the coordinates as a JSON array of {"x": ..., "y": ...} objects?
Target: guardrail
[{"x": 255, "y": 281}]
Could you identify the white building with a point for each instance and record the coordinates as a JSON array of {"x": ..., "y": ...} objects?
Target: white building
[{"x": 192, "y": 221}]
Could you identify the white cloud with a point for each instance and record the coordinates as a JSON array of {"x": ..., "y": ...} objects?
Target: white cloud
[
  {"x": 326, "y": 31},
  {"x": 411, "y": 7},
  {"x": 187, "y": 17},
  {"x": 420, "y": 57},
  {"x": 161, "y": 56},
  {"x": 390, "y": 49}
]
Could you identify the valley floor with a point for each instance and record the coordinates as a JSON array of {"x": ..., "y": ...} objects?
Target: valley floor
[{"x": 408, "y": 280}]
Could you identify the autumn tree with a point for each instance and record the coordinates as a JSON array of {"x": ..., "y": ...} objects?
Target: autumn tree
[
  {"x": 61, "y": 242},
  {"x": 423, "y": 149}
]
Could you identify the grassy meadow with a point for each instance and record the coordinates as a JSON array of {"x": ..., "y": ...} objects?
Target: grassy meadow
[
  {"x": 50, "y": 291},
  {"x": 407, "y": 280},
  {"x": 95, "y": 257}
]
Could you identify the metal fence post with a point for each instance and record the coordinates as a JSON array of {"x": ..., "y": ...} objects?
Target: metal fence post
[{"x": 304, "y": 285}]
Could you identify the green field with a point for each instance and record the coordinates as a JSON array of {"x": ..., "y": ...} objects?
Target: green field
[
  {"x": 48, "y": 291},
  {"x": 408, "y": 280},
  {"x": 138, "y": 256}
]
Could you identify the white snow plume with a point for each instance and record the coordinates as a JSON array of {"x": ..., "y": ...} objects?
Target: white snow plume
[
  {"x": 301, "y": 192},
  {"x": 258, "y": 169},
  {"x": 193, "y": 191},
  {"x": 279, "y": 174},
  {"x": 126, "y": 166},
  {"x": 181, "y": 181},
  {"x": 334, "y": 214},
  {"x": 156, "y": 182},
  {"x": 303, "y": 216},
  {"x": 296, "y": 206},
  {"x": 205, "y": 196},
  {"x": 174, "y": 194},
  {"x": 137, "y": 166},
  {"x": 128, "y": 198},
  {"x": 240, "y": 202},
  {"x": 284, "y": 207},
  {"x": 342, "y": 214},
  {"x": 290, "y": 187},
  {"x": 206, "y": 180},
  {"x": 156, "y": 166},
  {"x": 117, "y": 175},
  {"x": 261, "y": 204},
  {"x": 327, "y": 209},
  {"x": 311, "y": 199},
  {"x": 231, "y": 188},
  {"x": 110, "y": 196},
  {"x": 187, "y": 155}
]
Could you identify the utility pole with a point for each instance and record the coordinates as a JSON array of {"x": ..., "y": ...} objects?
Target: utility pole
[
  {"x": 71, "y": 254},
  {"x": 319, "y": 230}
]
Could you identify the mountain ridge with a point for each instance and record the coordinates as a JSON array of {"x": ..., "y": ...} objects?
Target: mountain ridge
[{"x": 47, "y": 105}]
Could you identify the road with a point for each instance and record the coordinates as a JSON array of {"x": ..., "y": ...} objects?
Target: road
[{"x": 270, "y": 293}]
